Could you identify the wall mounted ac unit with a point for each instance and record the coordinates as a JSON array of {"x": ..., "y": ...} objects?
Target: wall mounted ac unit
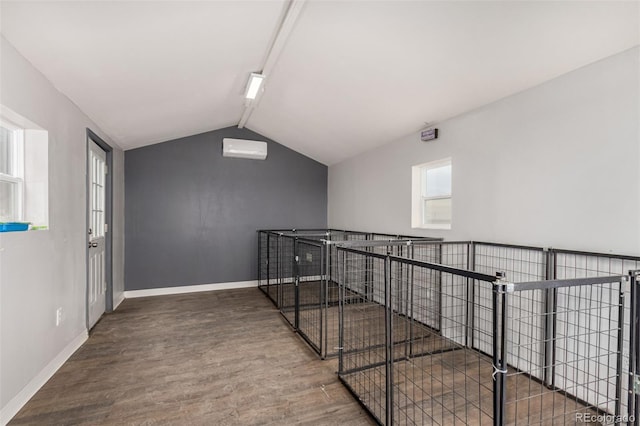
[{"x": 241, "y": 148}]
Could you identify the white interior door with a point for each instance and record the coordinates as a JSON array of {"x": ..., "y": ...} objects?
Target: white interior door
[{"x": 97, "y": 285}]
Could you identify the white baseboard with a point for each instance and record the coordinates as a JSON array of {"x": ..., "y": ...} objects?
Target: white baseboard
[
  {"x": 18, "y": 401},
  {"x": 118, "y": 301},
  {"x": 188, "y": 289}
]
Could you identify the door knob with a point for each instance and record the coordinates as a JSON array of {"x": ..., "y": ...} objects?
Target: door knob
[{"x": 93, "y": 245}]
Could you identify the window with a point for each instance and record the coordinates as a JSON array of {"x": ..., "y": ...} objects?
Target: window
[
  {"x": 24, "y": 170},
  {"x": 11, "y": 172},
  {"x": 431, "y": 207}
]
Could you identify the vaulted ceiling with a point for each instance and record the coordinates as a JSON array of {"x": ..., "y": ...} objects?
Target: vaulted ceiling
[{"x": 350, "y": 76}]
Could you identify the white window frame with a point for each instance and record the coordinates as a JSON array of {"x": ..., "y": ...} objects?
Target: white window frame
[
  {"x": 419, "y": 201},
  {"x": 18, "y": 166}
]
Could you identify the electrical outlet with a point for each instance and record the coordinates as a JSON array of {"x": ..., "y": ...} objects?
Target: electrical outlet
[{"x": 59, "y": 316}]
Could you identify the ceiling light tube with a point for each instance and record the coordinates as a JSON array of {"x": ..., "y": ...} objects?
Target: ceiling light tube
[{"x": 254, "y": 85}]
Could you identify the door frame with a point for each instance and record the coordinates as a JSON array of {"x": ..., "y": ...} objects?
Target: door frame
[{"x": 91, "y": 136}]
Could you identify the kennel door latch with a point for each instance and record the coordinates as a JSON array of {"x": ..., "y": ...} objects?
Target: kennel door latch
[{"x": 507, "y": 287}]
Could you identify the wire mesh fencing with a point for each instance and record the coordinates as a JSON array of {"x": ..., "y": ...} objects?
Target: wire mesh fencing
[
  {"x": 518, "y": 263},
  {"x": 269, "y": 265},
  {"x": 286, "y": 277},
  {"x": 568, "y": 264},
  {"x": 584, "y": 364},
  {"x": 554, "y": 349},
  {"x": 311, "y": 290},
  {"x": 263, "y": 263},
  {"x": 429, "y": 334},
  {"x": 405, "y": 358},
  {"x": 302, "y": 265}
]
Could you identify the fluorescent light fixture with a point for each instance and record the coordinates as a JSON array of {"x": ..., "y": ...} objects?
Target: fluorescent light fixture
[{"x": 254, "y": 84}]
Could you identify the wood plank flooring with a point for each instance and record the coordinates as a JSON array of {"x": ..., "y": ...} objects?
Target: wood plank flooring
[{"x": 214, "y": 358}]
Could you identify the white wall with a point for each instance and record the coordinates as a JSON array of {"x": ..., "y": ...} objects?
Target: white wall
[
  {"x": 43, "y": 270},
  {"x": 556, "y": 165}
]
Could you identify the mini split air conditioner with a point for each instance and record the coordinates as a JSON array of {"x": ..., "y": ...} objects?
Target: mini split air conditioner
[{"x": 241, "y": 148}]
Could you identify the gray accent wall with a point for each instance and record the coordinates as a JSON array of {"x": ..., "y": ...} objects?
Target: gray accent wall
[{"x": 191, "y": 215}]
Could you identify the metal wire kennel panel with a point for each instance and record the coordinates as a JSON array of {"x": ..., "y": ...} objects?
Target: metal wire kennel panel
[
  {"x": 585, "y": 365},
  {"x": 294, "y": 276},
  {"x": 269, "y": 264},
  {"x": 274, "y": 276},
  {"x": 312, "y": 292},
  {"x": 519, "y": 263},
  {"x": 568, "y": 264},
  {"x": 318, "y": 287},
  {"x": 263, "y": 263},
  {"x": 299, "y": 266},
  {"x": 280, "y": 269},
  {"x": 275, "y": 256},
  {"x": 405, "y": 359},
  {"x": 449, "y": 253},
  {"x": 411, "y": 369}
]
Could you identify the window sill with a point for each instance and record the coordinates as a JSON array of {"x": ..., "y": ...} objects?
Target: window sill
[
  {"x": 443, "y": 226},
  {"x": 16, "y": 230}
]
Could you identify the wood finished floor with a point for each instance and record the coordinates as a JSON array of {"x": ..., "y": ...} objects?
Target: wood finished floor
[{"x": 214, "y": 358}]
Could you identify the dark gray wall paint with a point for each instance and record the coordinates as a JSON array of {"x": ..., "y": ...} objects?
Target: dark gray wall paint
[{"x": 191, "y": 215}]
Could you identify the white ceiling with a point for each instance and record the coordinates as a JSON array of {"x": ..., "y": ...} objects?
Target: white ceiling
[{"x": 352, "y": 75}]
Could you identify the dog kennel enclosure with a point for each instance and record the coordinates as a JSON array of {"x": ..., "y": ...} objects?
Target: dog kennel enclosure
[
  {"x": 298, "y": 271},
  {"x": 481, "y": 333},
  {"x": 435, "y": 332}
]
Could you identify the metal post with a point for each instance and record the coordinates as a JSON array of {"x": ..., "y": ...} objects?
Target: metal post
[
  {"x": 368, "y": 278},
  {"x": 410, "y": 312},
  {"x": 324, "y": 306},
  {"x": 549, "y": 321},
  {"x": 296, "y": 273},
  {"x": 439, "y": 285},
  {"x": 503, "y": 355},
  {"x": 260, "y": 260},
  {"x": 469, "y": 329},
  {"x": 261, "y": 283},
  {"x": 341, "y": 285},
  {"x": 618, "y": 404},
  {"x": 278, "y": 278},
  {"x": 634, "y": 350},
  {"x": 554, "y": 316},
  {"x": 499, "y": 349},
  {"x": 496, "y": 357},
  {"x": 388, "y": 325},
  {"x": 402, "y": 295}
]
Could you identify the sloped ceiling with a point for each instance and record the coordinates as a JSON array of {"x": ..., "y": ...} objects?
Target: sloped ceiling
[{"x": 352, "y": 75}]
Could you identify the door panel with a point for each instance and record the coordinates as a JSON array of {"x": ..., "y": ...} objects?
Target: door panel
[{"x": 97, "y": 285}]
